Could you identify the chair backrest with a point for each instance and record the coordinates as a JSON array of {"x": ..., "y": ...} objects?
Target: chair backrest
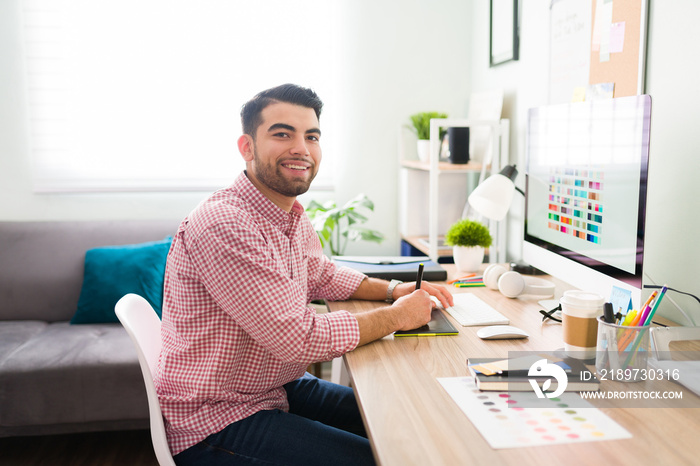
[
  {"x": 143, "y": 326},
  {"x": 661, "y": 337}
]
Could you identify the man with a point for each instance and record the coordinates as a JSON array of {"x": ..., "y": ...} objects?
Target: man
[{"x": 237, "y": 330}]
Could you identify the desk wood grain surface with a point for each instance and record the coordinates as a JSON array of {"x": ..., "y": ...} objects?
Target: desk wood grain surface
[{"x": 411, "y": 420}]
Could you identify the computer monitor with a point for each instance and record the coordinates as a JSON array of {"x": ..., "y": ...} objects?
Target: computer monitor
[{"x": 586, "y": 184}]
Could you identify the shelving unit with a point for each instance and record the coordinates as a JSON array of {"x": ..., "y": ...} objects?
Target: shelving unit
[{"x": 447, "y": 188}]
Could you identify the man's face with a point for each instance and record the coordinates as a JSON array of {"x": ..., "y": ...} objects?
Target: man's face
[{"x": 286, "y": 152}]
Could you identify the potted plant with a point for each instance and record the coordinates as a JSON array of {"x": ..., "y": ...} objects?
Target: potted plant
[
  {"x": 336, "y": 226},
  {"x": 468, "y": 239},
  {"x": 420, "y": 124}
]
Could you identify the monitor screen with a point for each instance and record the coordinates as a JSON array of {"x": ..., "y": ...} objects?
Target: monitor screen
[{"x": 586, "y": 181}]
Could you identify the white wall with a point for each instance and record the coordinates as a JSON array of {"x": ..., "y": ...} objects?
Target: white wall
[
  {"x": 414, "y": 55},
  {"x": 400, "y": 57},
  {"x": 672, "y": 251}
]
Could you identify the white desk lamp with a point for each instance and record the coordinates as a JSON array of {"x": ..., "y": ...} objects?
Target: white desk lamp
[{"x": 492, "y": 198}]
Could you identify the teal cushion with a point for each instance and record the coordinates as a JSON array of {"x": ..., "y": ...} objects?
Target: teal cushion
[{"x": 113, "y": 271}]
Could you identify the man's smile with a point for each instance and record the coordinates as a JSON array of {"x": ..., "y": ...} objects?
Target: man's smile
[{"x": 296, "y": 165}]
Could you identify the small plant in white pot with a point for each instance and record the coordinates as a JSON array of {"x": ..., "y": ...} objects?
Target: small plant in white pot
[
  {"x": 468, "y": 239},
  {"x": 420, "y": 124}
]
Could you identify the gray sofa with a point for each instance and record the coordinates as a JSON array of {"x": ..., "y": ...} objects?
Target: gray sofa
[{"x": 56, "y": 377}]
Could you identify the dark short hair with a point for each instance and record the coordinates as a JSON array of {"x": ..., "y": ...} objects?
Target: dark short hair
[{"x": 290, "y": 93}]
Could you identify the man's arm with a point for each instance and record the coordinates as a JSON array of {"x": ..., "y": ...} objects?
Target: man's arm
[
  {"x": 412, "y": 308},
  {"x": 407, "y": 313},
  {"x": 374, "y": 289}
]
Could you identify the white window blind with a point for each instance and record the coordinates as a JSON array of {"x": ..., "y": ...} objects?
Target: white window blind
[{"x": 146, "y": 94}]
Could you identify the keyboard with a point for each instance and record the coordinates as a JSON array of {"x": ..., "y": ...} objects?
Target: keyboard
[{"x": 471, "y": 311}]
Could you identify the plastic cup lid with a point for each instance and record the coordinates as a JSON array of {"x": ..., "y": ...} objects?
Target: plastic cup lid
[{"x": 582, "y": 299}]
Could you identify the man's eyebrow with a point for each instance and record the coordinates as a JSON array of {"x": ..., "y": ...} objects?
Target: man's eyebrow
[{"x": 277, "y": 126}]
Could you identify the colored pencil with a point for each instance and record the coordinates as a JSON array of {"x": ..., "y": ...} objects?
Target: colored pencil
[{"x": 647, "y": 322}]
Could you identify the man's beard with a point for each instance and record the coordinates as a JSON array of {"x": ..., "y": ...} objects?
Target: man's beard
[{"x": 271, "y": 176}]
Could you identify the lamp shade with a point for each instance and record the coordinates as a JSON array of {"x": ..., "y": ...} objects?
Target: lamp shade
[{"x": 492, "y": 198}]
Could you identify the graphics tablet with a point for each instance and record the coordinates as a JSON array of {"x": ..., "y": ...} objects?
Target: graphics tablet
[{"x": 438, "y": 325}]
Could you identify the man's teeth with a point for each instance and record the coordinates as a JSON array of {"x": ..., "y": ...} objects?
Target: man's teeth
[{"x": 296, "y": 167}]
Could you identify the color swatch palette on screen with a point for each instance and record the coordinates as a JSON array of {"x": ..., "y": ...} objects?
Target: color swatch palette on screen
[
  {"x": 504, "y": 423},
  {"x": 575, "y": 202}
]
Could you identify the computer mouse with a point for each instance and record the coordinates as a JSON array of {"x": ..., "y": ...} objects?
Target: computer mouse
[{"x": 500, "y": 332}]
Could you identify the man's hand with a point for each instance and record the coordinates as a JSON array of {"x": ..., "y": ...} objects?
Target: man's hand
[
  {"x": 440, "y": 292},
  {"x": 408, "y": 312},
  {"x": 411, "y": 309},
  {"x": 414, "y": 309}
]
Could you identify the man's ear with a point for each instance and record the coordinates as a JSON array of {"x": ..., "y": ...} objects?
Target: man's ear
[{"x": 246, "y": 147}]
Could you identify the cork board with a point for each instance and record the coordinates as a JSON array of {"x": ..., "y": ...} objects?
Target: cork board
[
  {"x": 623, "y": 61},
  {"x": 595, "y": 44}
]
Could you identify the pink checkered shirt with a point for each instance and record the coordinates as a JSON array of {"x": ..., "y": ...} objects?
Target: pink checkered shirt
[{"x": 236, "y": 321}]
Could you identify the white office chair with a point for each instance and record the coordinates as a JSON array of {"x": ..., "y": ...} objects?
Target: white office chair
[{"x": 143, "y": 326}]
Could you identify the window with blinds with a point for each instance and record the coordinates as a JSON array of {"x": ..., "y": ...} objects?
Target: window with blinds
[{"x": 135, "y": 95}]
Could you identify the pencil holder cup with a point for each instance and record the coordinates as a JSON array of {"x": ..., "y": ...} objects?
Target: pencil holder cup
[{"x": 622, "y": 352}]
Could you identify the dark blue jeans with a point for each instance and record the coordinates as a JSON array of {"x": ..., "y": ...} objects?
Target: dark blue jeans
[{"x": 323, "y": 426}]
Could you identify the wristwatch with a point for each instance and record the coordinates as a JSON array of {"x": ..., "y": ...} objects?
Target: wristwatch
[{"x": 390, "y": 290}]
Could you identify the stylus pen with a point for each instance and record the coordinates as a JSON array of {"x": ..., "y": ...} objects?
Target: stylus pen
[{"x": 419, "y": 277}]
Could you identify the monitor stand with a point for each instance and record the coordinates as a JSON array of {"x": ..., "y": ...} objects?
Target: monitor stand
[{"x": 525, "y": 269}]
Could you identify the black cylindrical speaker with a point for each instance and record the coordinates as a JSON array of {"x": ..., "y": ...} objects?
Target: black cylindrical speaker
[{"x": 458, "y": 139}]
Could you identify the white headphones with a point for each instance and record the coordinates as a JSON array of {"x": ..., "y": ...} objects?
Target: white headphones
[{"x": 512, "y": 284}]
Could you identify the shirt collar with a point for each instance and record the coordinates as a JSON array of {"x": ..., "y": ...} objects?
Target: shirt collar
[{"x": 261, "y": 203}]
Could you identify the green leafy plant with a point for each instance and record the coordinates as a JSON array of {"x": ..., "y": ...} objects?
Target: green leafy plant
[
  {"x": 336, "y": 226},
  {"x": 468, "y": 233},
  {"x": 421, "y": 123}
]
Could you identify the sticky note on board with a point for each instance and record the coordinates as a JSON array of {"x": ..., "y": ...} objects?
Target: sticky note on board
[
  {"x": 617, "y": 37},
  {"x": 621, "y": 300},
  {"x": 579, "y": 94}
]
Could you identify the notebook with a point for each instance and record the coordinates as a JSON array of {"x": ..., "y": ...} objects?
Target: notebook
[
  {"x": 402, "y": 268},
  {"x": 438, "y": 325},
  {"x": 515, "y": 377}
]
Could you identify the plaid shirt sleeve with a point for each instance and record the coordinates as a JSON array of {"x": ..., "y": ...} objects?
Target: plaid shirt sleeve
[{"x": 328, "y": 281}]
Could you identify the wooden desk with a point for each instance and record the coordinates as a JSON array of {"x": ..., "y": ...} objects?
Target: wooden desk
[{"x": 411, "y": 420}]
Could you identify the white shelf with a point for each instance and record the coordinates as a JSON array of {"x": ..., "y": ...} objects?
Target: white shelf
[
  {"x": 470, "y": 167},
  {"x": 444, "y": 182}
]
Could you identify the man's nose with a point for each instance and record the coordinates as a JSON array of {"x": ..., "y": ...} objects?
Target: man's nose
[{"x": 300, "y": 146}]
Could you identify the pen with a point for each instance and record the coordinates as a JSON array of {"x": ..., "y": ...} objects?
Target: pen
[
  {"x": 419, "y": 277},
  {"x": 656, "y": 305},
  {"x": 462, "y": 278},
  {"x": 469, "y": 280},
  {"x": 619, "y": 316},
  {"x": 647, "y": 307},
  {"x": 646, "y": 322},
  {"x": 645, "y": 314},
  {"x": 651, "y": 298}
]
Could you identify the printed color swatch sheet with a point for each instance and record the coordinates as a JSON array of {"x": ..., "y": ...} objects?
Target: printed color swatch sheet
[{"x": 505, "y": 423}]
